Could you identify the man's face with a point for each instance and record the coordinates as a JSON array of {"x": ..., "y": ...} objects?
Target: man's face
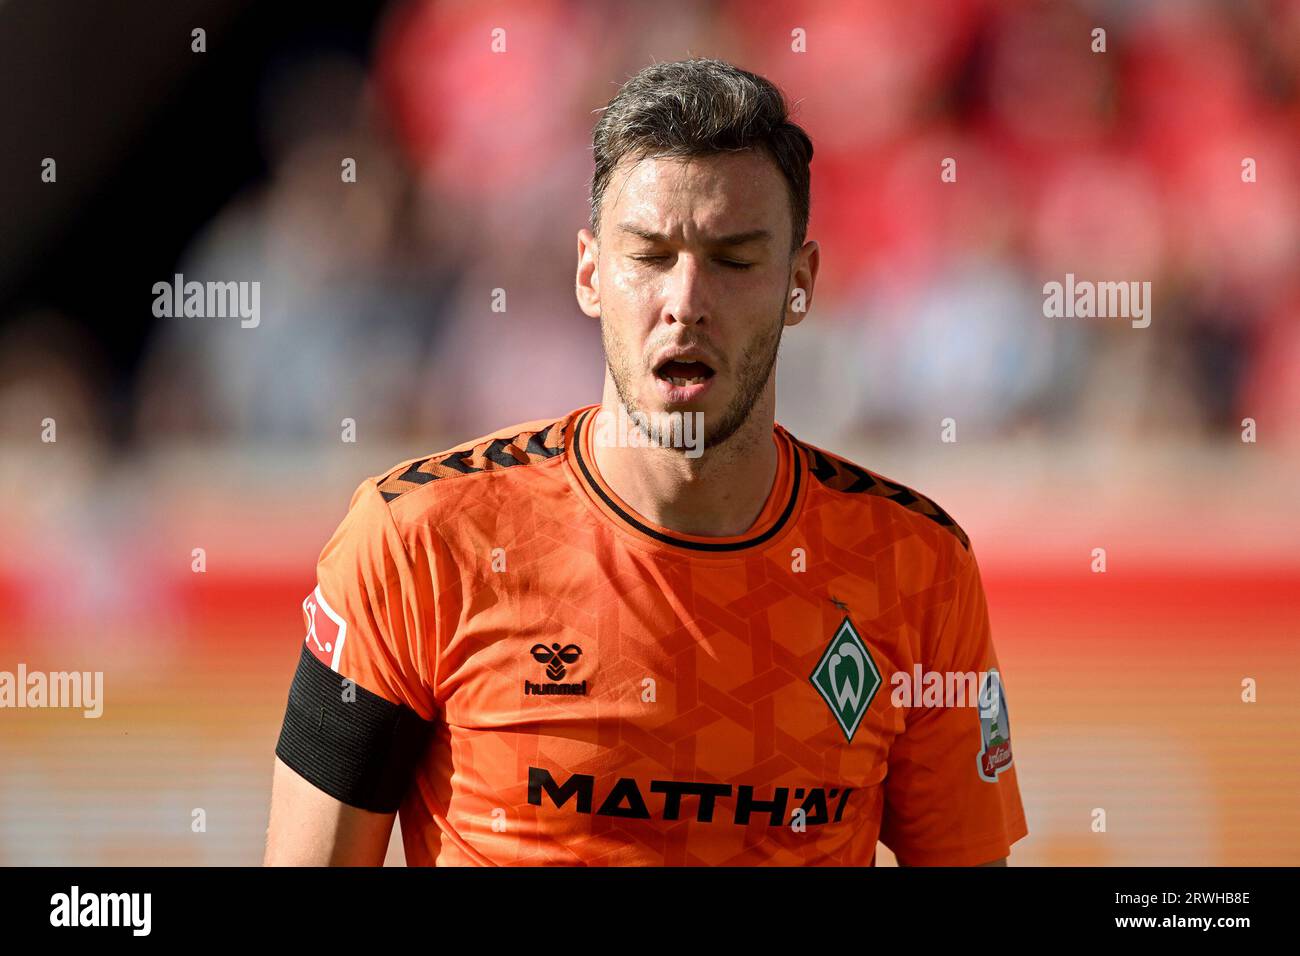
[{"x": 691, "y": 282}]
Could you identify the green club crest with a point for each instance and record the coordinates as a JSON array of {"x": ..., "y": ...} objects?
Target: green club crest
[{"x": 847, "y": 678}]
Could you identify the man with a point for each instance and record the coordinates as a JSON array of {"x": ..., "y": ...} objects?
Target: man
[{"x": 584, "y": 641}]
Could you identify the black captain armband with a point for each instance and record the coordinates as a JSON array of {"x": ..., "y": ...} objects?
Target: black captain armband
[{"x": 361, "y": 752}]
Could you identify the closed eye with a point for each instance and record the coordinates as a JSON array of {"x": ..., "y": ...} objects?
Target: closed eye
[{"x": 729, "y": 263}]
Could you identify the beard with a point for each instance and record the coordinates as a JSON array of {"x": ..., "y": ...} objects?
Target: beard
[{"x": 752, "y": 373}]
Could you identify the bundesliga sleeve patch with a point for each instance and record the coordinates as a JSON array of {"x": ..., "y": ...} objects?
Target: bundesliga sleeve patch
[
  {"x": 326, "y": 630},
  {"x": 351, "y": 743}
]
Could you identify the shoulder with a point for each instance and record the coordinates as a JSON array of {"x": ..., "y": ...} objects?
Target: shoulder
[
  {"x": 394, "y": 508},
  {"x": 512, "y": 447},
  {"x": 844, "y": 477}
]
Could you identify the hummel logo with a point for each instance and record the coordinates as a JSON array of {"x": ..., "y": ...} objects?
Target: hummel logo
[{"x": 555, "y": 658}]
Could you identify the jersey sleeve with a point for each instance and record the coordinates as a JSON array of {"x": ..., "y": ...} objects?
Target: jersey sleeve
[
  {"x": 361, "y": 704},
  {"x": 951, "y": 796}
]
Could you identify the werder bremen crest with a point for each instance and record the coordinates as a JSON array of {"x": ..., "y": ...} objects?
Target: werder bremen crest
[{"x": 847, "y": 678}]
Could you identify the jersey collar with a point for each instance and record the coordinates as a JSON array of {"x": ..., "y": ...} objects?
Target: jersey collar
[{"x": 778, "y": 513}]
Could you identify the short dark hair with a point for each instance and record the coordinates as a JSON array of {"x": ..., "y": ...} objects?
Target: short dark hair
[{"x": 700, "y": 107}]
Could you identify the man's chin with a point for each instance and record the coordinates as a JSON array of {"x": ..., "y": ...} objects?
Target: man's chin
[{"x": 703, "y": 409}]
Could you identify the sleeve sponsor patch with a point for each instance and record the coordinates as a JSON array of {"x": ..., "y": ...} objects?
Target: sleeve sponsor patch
[{"x": 995, "y": 729}]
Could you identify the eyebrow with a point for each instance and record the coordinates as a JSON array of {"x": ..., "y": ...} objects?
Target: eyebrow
[{"x": 735, "y": 239}]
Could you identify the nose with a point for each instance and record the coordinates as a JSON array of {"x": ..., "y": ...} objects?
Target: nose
[{"x": 685, "y": 295}]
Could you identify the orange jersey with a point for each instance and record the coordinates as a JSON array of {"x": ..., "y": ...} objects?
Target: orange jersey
[{"x": 597, "y": 690}]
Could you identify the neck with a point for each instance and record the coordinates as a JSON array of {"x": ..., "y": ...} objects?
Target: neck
[{"x": 719, "y": 494}]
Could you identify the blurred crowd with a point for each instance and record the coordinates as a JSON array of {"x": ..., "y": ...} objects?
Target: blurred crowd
[{"x": 472, "y": 172}]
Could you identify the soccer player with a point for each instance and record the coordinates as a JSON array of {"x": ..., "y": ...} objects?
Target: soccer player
[{"x": 601, "y": 640}]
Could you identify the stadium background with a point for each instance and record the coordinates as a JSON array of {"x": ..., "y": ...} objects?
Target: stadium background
[{"x": 1073, "y": 434}]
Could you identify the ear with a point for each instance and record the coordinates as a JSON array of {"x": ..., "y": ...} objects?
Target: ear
[
  {"x": 803, "y": 276},
  {"x": 587, "y": 286}
]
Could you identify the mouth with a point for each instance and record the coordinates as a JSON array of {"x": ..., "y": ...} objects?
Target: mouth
[
  {"x": 683, "y": 378},
  {"x": 681, "y": 372}
]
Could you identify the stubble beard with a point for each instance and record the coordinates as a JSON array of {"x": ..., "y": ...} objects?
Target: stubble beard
[{"x": 753, "y": 371}]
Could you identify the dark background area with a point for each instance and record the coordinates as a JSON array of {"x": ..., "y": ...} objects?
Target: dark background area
[{"x": 150, "y": 140}]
